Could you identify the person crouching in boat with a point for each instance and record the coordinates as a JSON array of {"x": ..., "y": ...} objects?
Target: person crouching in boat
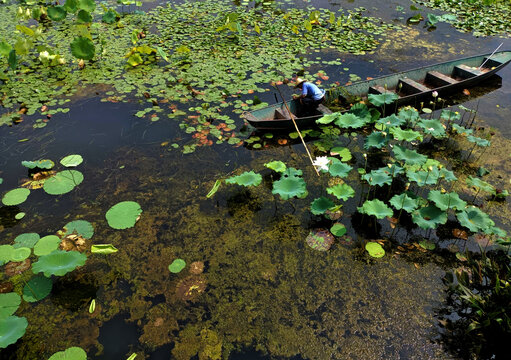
[{"x": 310, "y": 97}]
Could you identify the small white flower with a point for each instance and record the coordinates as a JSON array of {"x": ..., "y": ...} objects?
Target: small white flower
[
  {"x": 434, "y": 94},
  {"x": 321, "y": 163}
]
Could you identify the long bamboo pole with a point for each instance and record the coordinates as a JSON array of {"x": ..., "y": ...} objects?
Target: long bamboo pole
[{"x": 297, "y": 130}]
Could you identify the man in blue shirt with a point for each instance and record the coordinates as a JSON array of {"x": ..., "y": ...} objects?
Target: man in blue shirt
[{"x": 310, "y": 97}]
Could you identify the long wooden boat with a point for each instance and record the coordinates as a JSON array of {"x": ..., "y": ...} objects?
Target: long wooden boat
[{"x": 411, "y": 86}]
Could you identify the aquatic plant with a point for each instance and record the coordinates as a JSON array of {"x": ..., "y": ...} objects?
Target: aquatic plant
[
  {"x": 338, "y": 168},
  {"x": 341, "y": 191},
  {"x": 39, "y": 164},
  {"x": 338, "y": 229},
  {"x": 248, "y": 178},
  {"x": 46, "y": 245},
  {"x": 11, "y": 329},
  {"x": 17, "y": 267},
  {"x": 474, "y": 219},
  {"x": 63, "y": 182},
  {"x": 214, "y": 189},
  {"x": 72, "y": 160},
  {"x": 15, "y": 196},
  {"x": 376, "y": 139},
  {"x": 404, "y": 202},
  {"x": 9, "y": 303},
  {"x": 321, "y": 205},
  {"x": 123, "y": 215},
  {"x": 376, "y": 208},
  {"x": 196, "y": 267},
  {"x": 445, "y": 201},
  {"x": 191, "y": 287},
  {"x": 26, "y": 240},
  {"x": 59, "y": 262},
  {"x": 375, "y": 249},
  {"x": 429, "y": 217},
  {"x": 347, "y": 121},
  {"x": 72, "y": 353},
  {"x": 277, "y": 166},
  {"x": 37, "y": 288},
  {"x": 103, "y": 249},
  {"x": 177, "y": 265},
  {"x": 79, "y": 227},
  {"x": 320, "y": 239},
  {"x": 291, "y": 184}
]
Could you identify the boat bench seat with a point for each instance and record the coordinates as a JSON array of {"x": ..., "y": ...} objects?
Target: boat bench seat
[
  {"x": 378, "y": 90},
  {"x": 323, "y": 109},
  {"x": 438, "y": 79},
  {"x": 409, "y": 86},
  {"x": 465, "y": 71},
  {"x": 282, "y": 114},
  {"x": 491, "y": 63}
]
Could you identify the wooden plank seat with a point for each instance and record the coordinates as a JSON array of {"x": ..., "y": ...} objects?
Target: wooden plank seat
[
  {"x": 438, "y": 79},
  {"x": 409, "y": 86},
  {"x": 378, "y": 90},
  {"x": 282, "y": 114},
  {"x": 491, "y": 63},
  {"x": 323, "y": 109},
  {"x": 466, "y": 72}
]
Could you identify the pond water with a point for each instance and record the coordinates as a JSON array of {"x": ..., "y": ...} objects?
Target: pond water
[{"x": 267, "y": 294}]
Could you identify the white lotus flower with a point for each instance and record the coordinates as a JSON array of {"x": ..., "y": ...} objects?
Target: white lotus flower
[
  {"x": 434, "y": 94},
  {"x": 321, "y": 163}
]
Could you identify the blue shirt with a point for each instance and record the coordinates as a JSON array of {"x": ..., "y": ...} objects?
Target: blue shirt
[{"x": 312, "y": 91}]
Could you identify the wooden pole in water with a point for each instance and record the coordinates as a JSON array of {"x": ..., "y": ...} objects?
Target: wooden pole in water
[{"x": 297, "y": 130}]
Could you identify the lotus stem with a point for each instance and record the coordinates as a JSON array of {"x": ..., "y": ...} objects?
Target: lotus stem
[
  {"x": 475, "y": 114},
  {"x": 474, "y": 199},
  {"x": 470, "y": 153},
  {"x": 484, "y": 150}
]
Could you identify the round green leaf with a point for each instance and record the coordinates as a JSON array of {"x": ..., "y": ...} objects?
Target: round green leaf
[
  {"x": 19, "y": 215},
  {"x": 20, "y": 254},
  {"x": 26, "y": 240},
  {"x": 11, "y": 329},
  {"x": 6, "y": 252},
  {"x": 429, "y": 217},
  {"x": 83, "y": 17},
  {"x": 72, "y": 353},
  {"x": 338, "y": 229},
  {"x": 474, "y": 219},
  {"x": 58, "y": 262},
  {"x": 9, "y": 303},
  {"x": 290, "y": 186},
  {"x": 87, "y": 5},
  {"x": 57, "y": 13},
  {"x": 377, "y": 208},
  {"x": 177, "y": 265},
  {"x": 109, "y": 17},
  {"x": 80, "y": 227},
  {"x": 320, "y": 205},
  {"x": 428, "y": 245},
  {"x": 63, "y": 182},
  {"x": 72, "y": 160},
  {"x": 15, "y": 196},
  {"x": 277, "y": 166},
  {"x": 446, "y": 201},
  {"x": 103, "y": 249},
  {"x": 123, "y": 215},
  {"x": 338, "y": 168},
  {"x": 39, "y": 164},
  {"x": 375, "y": 250},
  {"x": 37, "y": 288},
  {"x": 341, "y": 191},
  {"x": 248, "y": 178},
  {"x": 83, "y": 48},
  {"x": 46, "y": 245},
  {"x": 404, "y": 202}
]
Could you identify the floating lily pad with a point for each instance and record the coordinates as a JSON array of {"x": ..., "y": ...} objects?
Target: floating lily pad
[
  {"x": 103, "y": 249},
  {"x": 338, "y": 168},
  {"x": 37, "y": 288},
  {"x": 39, "y": 164},
  {"x": 72, "y": 353},
  {"x": 277, "y": 166},
  {"x": 290, "y": 186},
  {"x": 20, "y": 254},
  {"x": 63, "y": 182},
  {"x": 46, "y": 245},
  {"x": 341, "y": 191},
  {"x": 177, "y": 265},
  {"x": 26, "y": 240},
  {"x": 342, "y": 152},
  {"x": 9, "y": 303},
  {"x": 428, "y": 245},
  {"x": 59, "y": 262},
  {"x": 321, "y": 205},
  {"x": 375, "y": 250},
  {"x": 377, "y": 208},
  {"x": 338, "y": 229},
  {"x": 19, "y": 215},
  {"x": 6, "y": 252},
  {"x": 248, "y": 178},
  {"x": 15, "y": 196},
  {"x": 80, "y": 227},
  {"x": 320, "y": 239},
  {"x": 11, "y": 329},
  {"x": 72, "y": 160},
  {"x": 83, "y": 48},
  {"x": 123, "y": 215}
]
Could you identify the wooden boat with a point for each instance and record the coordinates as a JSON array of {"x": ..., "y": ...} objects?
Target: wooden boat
[{"x": 411, "y": 86}]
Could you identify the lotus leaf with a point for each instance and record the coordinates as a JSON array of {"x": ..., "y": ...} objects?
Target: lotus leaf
[
  {"x": 327, "y": 119},
  {"x": 63, "y": 182},
  {"x": 391, "y": 121},
  {"x": 290, "y": 186},
  {"x": 26, "y": 240},
  {"x": 37, "y": 288},
  {"x": 404, "y": 202},
  {"x": 377, "y": 208},
  {"x": 177, "y": 265},
  {"x": 375, "y": 250},
  {"x": 20, "y": 254},
  {"x": 72, "y": 160},
  {"x": 429, "y": 217},
  {"x": 87, "y": 5},
  {"x": 79, "y": 227},
  {"x": 123, "y": 215},
  {"x": 110, "y": 16},
  {"x": 380, "y": 99},
  {"x": 59, "y": 262},
  {"x": 338, "y": 168},
  {"x": 83, "y": 48},
  {"x": 348, "y": 120},
  {"x": 9, "y": 303},
  {"x": 342, "y": 152},
  {"x": 338, "y": 229},
  {"x": 20, "y": 215},
  {"x": 423, "y": 177},
  {"x": 433, "y": 127},
  {"x": 409, "y": 114},
  {"x": 405, "y": 135},
  {"x": 341, "y": 191},
  {"x": 71, "y": 6},
  {"x": 103, "y": 249},
  {"x": 461, "y": 130},
  {"x": 39, "y": 164},
  {"x": 320, "y": 239},
  {"x": 11, "y": 329},
  {"x": 83, "y": 17},
  {"x": 474, "y": 219},
  {"x": 395, "y": 170},
  {"x": 321, "y": 205},
  {"x": 446, "y": 201},
  {"x": 448, "y": 175},
  {"x": 214, "y": 189},
  {"x": 56, "y": 13},
  {"x": 72, "y": 353},
  {"x": 478, "y": 141},
  {"x": 277, "y": 166},
  {"x": 410, "y": 157},
  {"x": 47, "y": 245},
  {"x": 15, "y": 196},
  {"x": 376, "y": 139},
  {"x": 428, "y": 245},
  {"x": 450, "y": 115},
  {"x": 493, "y": 230},
  {"x": 248, "y": 178},
  {"x": 480, "y": 184},
  {"x": 362, "y": 111},
  {"x": 292, "y": 172},
  {"x": 6, "y": 252},
  {"x": 378, "y": 177}
]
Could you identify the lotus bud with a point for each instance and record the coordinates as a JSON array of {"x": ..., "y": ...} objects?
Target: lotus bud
[
  {"x": 28, "y": 13},
  {"x": 434, "y": 94},
  {"x": 365, "y": 155},
  {"x": 61, "y": 61},
  {"x": 407, "y": 186},
  {"x": 430, "y": 168},
  {"x": 19, "y": 11}
]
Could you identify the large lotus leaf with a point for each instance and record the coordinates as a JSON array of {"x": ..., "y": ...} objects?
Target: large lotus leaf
[
  {"x": 404, "y": 202},
  {"x": 177, "y": 265},
  {"x": 71, "y": 6},
  {"x": 320, "y": 239},
  {"x": 391, "y": 121},
  {"x": 410, "y": 157},
  {"x": 123, "y": 215},
  {"x": 248, "y": 178},
  {"x": 56, "y": 13},
  {"x": 338, "y": 168},
  {"x": 341, "y": 191},
  {"x": 288, "y": 187},
  {"x": 87, "y": 5},
  {"x": 450, "y": 115},
  {"x": 15, "y": 196},
  {"x": 26, "y": 240},
  {"x": 374, "y": 249},
  {"x": 448, "y": 175},
  {"x": 6, "y": 252},
  {"x": 426, "y": 166},
  {"x": 9, "y": 303},
  {"x": 342, "y": 152},
  {"x": 380, "y": 99},
  {"x": 377, "y": 208},
  {"x": 37, "y": 288},
  {"x": 72, "y": 353},
  {"x": 11, "y": 329},
  {"x": 409, "y": 114},
  {"x": 429, "y": 217},
  {"x": 446, "y": 201},
  {"x": 63, "y": 182},
  {"x": 362, "y": 111},
  {"x": 474, "y": 219},
  {"x": 478, "y": 141},
  {"x": 423, "y": 177},
  {"x": 405, "y": 135},
  {"x": 292, "y": 172},
  {"x": 433, "y": 127},
  {"x": 110, "y": 16},
  {"x": 395, "y": 170},
  {"x": 104, "y": 249},
  {"x": 59, "y": 262},
  {"x": 83, "y": 17},
  {"x": 480, "y": 184},
  {"x": 462, "y": 130},
  {"x": 80, "y": 227},
  {"x": 348, "y": 120},
  {"x": 72, "y": 160},
  {"x": 47, "y": 245},
  {"x": 20, "y": 254},
  {"x": 327, "y": 119},
  {"x": 83, "y": 48},
  {"x": 39, "y": 164},
  {"x": 494, "y": 230},
  {"x": 277, "y": 166},
  {"x": 338, "y": 229},
  {"x": 376, "y": 139},
  {"x": 321, "y": 205},
  {"x": 378, "y": 177}
]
